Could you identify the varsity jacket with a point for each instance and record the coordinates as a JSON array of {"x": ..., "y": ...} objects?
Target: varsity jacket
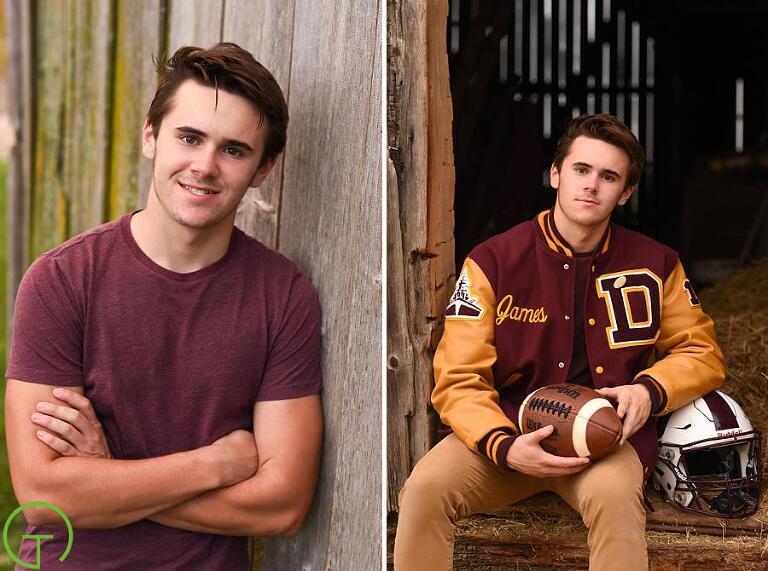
[{"x": 508, "y": 331}]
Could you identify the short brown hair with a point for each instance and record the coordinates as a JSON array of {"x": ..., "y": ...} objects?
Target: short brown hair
[
  {"x": 605, "y": 128},
  {"x": 229, "y": 67}
]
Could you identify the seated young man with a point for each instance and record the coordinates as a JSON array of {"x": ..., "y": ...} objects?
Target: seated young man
[
  {"x": 164, "y": 375},
  {"x": 566, "y": 297}
]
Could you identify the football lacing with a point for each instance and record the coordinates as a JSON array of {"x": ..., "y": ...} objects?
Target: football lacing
[{"x": 549, "y": 406}]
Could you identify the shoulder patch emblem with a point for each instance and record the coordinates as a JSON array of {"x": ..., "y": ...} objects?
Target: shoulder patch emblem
[{"x": 462, "y": 305}]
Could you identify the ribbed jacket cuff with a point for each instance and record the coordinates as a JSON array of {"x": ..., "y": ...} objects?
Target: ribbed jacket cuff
[
  {"x": 496, "y": 444},
  {"x": 657, "y": 392}
]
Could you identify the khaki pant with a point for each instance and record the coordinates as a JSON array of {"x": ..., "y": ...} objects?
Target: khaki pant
[{"x": 452, "y": 482}]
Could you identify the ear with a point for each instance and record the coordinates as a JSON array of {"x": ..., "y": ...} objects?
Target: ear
[
  {"x": 148, "y": 140},
  {"x": 625, "y": 194},
  {"x": 554, "y": 177},
  {"x": 264, "y": 169}
]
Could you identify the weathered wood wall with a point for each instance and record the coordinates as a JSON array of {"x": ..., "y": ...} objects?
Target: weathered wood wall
[
  {"x": 77, "y": 163},
  {"x": 420, "y": 248}
]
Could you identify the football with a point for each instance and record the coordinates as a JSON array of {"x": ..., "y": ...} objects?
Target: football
[{"x": 586, "y": 425}]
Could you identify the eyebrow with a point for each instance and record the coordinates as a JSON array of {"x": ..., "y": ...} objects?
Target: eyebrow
[
  {"x": 229, "y": 142},
  {"x": 589, "y": 166}
]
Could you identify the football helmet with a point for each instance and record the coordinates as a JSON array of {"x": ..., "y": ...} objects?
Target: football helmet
[{"x": 709, "y": 458}]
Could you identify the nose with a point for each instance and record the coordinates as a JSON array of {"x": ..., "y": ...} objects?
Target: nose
[
  {"x": 592, "y": 182},
  {"x": 204, "y": 163}
]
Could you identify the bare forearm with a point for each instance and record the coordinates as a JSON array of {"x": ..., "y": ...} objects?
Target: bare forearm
[
  {"x": 101, "y": 493},
  {"x": 259, "y": 506}
]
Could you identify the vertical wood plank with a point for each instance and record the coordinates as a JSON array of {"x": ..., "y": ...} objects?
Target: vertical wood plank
[
  {"x": 138, "y": 37},
  {"x": 401, "y": 362},
  {"x": 330, "y": 222},
  {"x": 409, "y": 368},
  {"x": 266, "y": 30},
  {"x": 441, "y": 177},
  {"x": 52, "y": 47},
  {"x": 22, "y": 100},
  {"x": 87, "y": 137},
  {"x": 421, "y": 260},
  {"x": 195, "y": 23}
]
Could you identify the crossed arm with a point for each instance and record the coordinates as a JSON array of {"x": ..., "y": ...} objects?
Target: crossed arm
[{"x": 242, "y": 484}]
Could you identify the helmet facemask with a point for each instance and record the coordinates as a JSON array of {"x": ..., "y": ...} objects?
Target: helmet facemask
[{"x": 720, "y": 478}]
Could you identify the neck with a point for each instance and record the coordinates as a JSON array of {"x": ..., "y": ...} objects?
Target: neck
[
  {"x": 583, "y": 239},
  {"x": 176, "y": 247}
]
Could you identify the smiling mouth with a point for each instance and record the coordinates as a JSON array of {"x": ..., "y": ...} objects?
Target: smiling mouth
[{"x": 198, "y": 191}]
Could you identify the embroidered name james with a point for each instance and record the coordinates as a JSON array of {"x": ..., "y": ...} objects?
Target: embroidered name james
[{"x": 506, "y": 310}]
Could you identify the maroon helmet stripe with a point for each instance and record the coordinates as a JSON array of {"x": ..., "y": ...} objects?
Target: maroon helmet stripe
[{"x": 721, "y": 412}]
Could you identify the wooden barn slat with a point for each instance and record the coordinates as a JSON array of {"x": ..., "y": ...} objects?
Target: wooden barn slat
[
  {"x": 48, "y": 224},
  {"x": 195, "y": 22},
  {"x": 22, "y": 101},
  {"x": 138, "y": 37},
  {"x": 421, "y": 263},
  {"x": 408, "y": 368},
  {"x": 330, "y": 220},
  {"x": 441, "y": 176},
  {"x": 86, "y": 142},
  {"x": 268, "y": 34},
  {"x": 400, "y": 355}
]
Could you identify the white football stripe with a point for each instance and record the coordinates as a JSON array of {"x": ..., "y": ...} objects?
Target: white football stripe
[
  {"x": 520, "y": 412},
  {"x": 580, "y": 425}
]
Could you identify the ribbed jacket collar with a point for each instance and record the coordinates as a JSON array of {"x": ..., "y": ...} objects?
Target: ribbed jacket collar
[{"x": 546, "y": 231}]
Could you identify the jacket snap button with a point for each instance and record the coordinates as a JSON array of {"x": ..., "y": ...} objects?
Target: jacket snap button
[
  {"x": 566, "y": 266},
  {"x": 591, "y": 321},
  {"x": 561, "y": 364},
  {"x": 567, "y": 317},
  {"x": 599, "y": 370}
]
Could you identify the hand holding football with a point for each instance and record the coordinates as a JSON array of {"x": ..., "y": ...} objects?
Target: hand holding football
[{"x": 585, "y": 424}]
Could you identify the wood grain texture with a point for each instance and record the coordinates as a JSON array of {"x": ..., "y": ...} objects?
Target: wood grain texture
[
  {"x": 330, "y": 221},
  {"x": 86, "y": 143},
  {"x": 22, "y": 102},
  {"x": 138, "y": 39},
  {"x": 441, "y": 177},
  {"x": 47, "y": 226},
  {"x": 401, "y": 360},
  {"x": 421, "y": 150},
  {"x": 408, "y": 422},
  {"x": 266, "y": 30},
  {"x": 195, "y": 23}
]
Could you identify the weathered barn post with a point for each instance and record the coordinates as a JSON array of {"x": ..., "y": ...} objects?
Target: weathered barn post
[{"x": 420, "y": 247}]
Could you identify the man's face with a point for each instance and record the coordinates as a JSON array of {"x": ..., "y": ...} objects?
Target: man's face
[
  {"x": 591, "y": 181},
  {"x": 205, "y": 156}
]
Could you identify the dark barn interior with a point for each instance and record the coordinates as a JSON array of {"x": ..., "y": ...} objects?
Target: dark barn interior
[{"x": 687, "y": 76}]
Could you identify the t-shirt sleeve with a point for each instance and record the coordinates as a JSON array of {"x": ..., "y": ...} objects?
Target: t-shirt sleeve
[
  {"x": 47, "y": 338},
  {"x": 293, "y": 364}
]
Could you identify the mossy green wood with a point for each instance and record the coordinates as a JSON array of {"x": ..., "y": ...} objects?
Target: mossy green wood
[
  {"x": 48, "y": 223},
  {"x": 138, "y": 40},
  {"x": 87, "y": 109}
]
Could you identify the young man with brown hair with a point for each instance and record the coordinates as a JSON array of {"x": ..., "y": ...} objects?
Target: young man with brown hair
[
  {"x": 164, "y": 375},
  {"x": 566, "y": 297}
]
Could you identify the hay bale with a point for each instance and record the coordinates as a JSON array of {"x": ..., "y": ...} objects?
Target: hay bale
[{"x": 739, "y": 306}]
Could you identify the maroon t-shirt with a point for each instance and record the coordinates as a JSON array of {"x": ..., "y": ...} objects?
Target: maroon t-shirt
[{"x": 170, "y": 361}]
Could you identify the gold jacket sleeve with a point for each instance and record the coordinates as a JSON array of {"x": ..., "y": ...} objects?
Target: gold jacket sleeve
[
  {"x": 464, "y": 393},
  {"x": 690, "y": 362}
]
